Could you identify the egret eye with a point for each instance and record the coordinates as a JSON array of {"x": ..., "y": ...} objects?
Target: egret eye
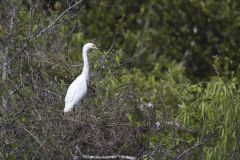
[{"x": 94, "y": 46}]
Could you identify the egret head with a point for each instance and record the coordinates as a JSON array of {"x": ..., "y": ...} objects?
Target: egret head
[{"x": 89, "y": 46}]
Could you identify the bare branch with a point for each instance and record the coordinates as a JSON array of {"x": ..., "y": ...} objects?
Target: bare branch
[
  {"x": 84, "y": 156},
  {"x": 13, "y": 16},
  {"x": 57, "y": 19},
  {"x": 46, "y": 90},
  {"x": 37, "y": 140},
  {"x": 179, "y": 127},
  {"x": 104, "y": 157},
  {"x": 189, "y": 149},
  {"x": 5, "y": 60},
  {"x": 4, "y": 53},
  {"x": 113, "y": 43},
  {"x": 5, "y": 66}
]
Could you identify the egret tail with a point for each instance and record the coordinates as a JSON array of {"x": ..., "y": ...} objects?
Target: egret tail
[{"x": 68, "y": 107}]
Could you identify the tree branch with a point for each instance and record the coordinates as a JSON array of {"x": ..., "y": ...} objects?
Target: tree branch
[
  {"x": 5, "y": 60},
  {"x": 57, "y": 19},
  {"x": 189, "y": 149},
  {"x": 179, "y": 127},
  {"x": 84, "y": 156},
  {"x": 4, "y": 54},
  {"x": 104, "y": 157}
]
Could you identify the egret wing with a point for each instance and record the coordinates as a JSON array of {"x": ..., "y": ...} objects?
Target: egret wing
[{"x": 76, "y": 90}]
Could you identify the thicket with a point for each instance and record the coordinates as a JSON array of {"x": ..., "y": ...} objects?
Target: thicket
[{"x": 164, "y": 83}]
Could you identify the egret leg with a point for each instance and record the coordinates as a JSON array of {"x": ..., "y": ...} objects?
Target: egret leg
[{"x": 74, "y": 113}]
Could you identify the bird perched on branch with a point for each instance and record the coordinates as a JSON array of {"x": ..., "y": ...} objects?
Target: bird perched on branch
[{"x": 78, "y": 89}]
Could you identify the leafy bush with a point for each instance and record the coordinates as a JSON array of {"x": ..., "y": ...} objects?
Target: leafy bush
[{"x": 164, "y": 84}]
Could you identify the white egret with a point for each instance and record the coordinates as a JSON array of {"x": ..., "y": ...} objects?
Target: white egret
[{"x": 78, "y": 89}]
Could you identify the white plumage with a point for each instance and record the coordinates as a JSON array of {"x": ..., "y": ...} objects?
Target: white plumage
[{"x": 78, "y": 89}]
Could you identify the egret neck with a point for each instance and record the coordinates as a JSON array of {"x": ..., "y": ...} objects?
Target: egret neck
[{"x": 85, "y": 62}]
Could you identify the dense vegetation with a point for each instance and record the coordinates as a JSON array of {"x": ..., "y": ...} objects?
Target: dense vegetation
[{"x": 164, "y": 84}]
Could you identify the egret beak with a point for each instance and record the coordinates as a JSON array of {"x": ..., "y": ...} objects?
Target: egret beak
[{"x": 94, "y": 46}]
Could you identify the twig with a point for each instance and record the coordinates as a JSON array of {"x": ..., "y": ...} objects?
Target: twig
[
  {"x": 156, "y": 150},
  {"x": 57, "y": 19},
  {"x": 4, "y": 53},
  {"x": 133, "y": 58},
  {"x": 117, "y": 125},
  {"x": 179, "y": 127},
  {"x": 46, "y": 90},
  {"x": 113, "y": 43},
  {"x": 30, "y": 19},
  {"x": 32, "y": 135},
  {"x": 189, "y": 149}
]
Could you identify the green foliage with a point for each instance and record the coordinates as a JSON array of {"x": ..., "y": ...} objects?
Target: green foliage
[{"x": 164, "y": 84}]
